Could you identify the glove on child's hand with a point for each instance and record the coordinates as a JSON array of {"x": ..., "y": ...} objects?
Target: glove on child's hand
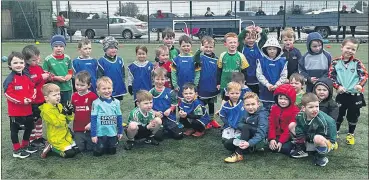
[
  {"x": 68, "y": 108},
  {"x": 130, "y": 90}
]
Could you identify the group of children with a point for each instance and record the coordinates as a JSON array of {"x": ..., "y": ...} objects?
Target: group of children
[{"x": 261, "y": 87}]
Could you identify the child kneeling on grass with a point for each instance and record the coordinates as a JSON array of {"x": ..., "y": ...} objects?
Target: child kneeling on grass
[
  {"x": 106, "y": 119},
  {"x": 142, "y": 122},
  {"x": 57, "y": 117},
  {"x": 253, "y": 126},
  {"x": 314, "y": 126}
]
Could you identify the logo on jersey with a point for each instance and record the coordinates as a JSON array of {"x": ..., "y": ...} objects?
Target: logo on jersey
[
  {"x": 18, "y": 87},
  {"x": 33, "y": 76},
  {"x": 352, "y": 70},
  {"x": 86, "y": 100},
  {"x": 166, "y": 97}
]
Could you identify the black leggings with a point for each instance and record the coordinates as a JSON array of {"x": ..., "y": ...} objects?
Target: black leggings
[
  {"x": 196, "y": 124},
  {"x": 210, "y": 103},
  {"x": 17, "y": 123},
  {"x": 246, "y": 134}
]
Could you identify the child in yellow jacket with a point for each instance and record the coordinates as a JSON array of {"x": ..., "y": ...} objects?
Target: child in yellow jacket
[{"x": 57, "y": 117}]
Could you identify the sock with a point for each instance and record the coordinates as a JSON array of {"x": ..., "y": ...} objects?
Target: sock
[
  {"x": 16, "y": 146},
  {"x": 33, "y": 135},
  {"x": 25, "y": 143},
  {"x": 352, "y": 128},
  {"x": 321, "y": 150},
  {"x": 239, "y": 151},
  {"x": 38, "y": 129}
]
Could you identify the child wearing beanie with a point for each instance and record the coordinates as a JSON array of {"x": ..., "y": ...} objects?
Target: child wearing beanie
[
  {"x": 60, "y": 65},
  {"x": 112, "y": 66}
]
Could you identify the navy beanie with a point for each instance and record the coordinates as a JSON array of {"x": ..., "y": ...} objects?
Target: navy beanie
[{"x": 57, "y": 40}]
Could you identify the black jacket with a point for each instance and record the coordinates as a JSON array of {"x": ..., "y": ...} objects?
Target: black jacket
[{"x": 329, "y": 106}]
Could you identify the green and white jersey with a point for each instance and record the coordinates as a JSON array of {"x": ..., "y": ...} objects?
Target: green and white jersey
[
  {"x": 230, "y": 63},
  {"x": 59, "y": 67},
  {"x": 136, "y": 115}
]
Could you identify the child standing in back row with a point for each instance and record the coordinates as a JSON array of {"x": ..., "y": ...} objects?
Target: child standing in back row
[
  {"x": 139, "y": 73},
  {"x": 168, "y": 39},
  {"x": 290, "y": 52},
  {"x": 162, "y": 57},
  {"x": 349, "y": 77}
]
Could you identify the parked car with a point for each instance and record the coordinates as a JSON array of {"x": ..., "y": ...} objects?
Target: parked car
[
  {"x": 326, "y": 31},
  {"x": 166, "y": 15},
  {"x": 127, "y": 27}
]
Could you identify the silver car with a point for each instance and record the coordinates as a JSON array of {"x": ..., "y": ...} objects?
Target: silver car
[{"x": 126, "y": 27}]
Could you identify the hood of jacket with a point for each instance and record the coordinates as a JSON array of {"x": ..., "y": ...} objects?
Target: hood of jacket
[
  {"x": 328, "y": 83},
  {"x": 287, "y": 90},
  {"x": 311, "y": 37},
  {"x": 274, "y": 43}
]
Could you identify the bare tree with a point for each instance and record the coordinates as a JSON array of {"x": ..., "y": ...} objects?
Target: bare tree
[{"x": 127, "y": 9}]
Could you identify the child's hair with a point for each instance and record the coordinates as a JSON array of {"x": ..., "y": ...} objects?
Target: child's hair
[
  {"x": 189, "y": 86},
  {"x": 49, "y": 88},
  {"x": 233, "y": 86},
  {"x": 308, "y": 98},
  {"x": 249, "y": 95},
  {"x": 159, "y": 72},
  {"x": 184, "y": 39},
  {"x": 160, "y": 49},
  {"x": 230, "y": 34},
  {"x": 84, "y": 77},
  {"x": 83, "y": 41},
  {"x": 103, "y": 80},
  {"x": 12, "y": 55},
  {"x": 29, "y": 51},
  {"x": 289, "y": 33},
  {"x": 238, "y": 77},
  {"x": 207, "y": 39},
  {"x": 298, "y": 77},
  {"x": 143, "y": 95},
  {"x": 168, "y": 32},
  {"x": 352, "y": 40},
  {"x": 143, "y": 48}
]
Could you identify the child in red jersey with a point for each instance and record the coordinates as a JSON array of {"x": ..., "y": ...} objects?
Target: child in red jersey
[
  {"x": 82, "y": 102},
  {"x": 39, "y": 77},
  {"x": 20, "y": 93}
]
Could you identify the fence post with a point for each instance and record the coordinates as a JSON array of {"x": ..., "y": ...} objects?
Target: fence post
[
  {"x": 284, "y": 15},
  {"x": 148, "y": 21},
  {"x": 120, "y": 8},
  {"x": 338, "y": 20},
  {"x": 107, "y": 13},
  {"x": 66, "y": 29},
  {"x": 190, "y": 30}
]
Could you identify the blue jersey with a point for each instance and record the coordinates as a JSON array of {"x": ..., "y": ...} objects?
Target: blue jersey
[
  {"x": 162, "y": 102},
  {"x": 232, "y": 114},
  {"x": 272, "y": 71},
  {"x": 90, "y": 65},
  {"x": 208, "y": 77},
  {"x": 185, "y": 69},
  {"x": 141, "y": 76},
  {"x": 114, "y": 70},
  {"x": 252, "y": 55},
  {"x": 106, "y": 118},
  {"x": 196, "y": 108}
]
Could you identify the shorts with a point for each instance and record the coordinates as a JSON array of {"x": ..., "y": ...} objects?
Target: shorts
[
  {"x": 351, "y": 100},
  {"x": 36, "y": 111},
  {"x": 143, "y": 132}
]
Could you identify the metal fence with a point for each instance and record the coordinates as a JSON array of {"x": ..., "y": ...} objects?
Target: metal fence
[{"x": 36, "y": 20}]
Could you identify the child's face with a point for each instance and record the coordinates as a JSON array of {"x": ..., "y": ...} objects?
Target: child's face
[
  {"x": 316, "y": 46},
  {"x": 164, "y": 56},
  {"x": 105, "y": 90},
  {"x": 250, "y": 41},
  {"x": 231, "y": 44},
  {"x": 58, "y": 50},
  {"x": 272, "y": 52},
  {"x": 168, "y": 41},
  {"x": 322, "y": 92},
  {"x": 141, "y": 55},
  {"x": 159, "y": 81},
  {"x": 111, "y": 52},
  {"x": 34, "y": 60},
  {"x": 208, "y": 48},
  {"x": 296, "y": 85},
  {"x": 283, "y": 101},
  {"x": 17, "y": 64},
  {"x": 288, "y": 42},
  {"x": 234, "y": 95},
  {"x": 348, "y": 50},
  {"x": 186, "y": 48},
  {"x": 81, "y": 87},
  {"x": 251, "y": 105},
  {"x": 53, "y": 98},
  {"x": 85, "y": 50},
  {"x": 189, "y": 94},
  {"x": 311, "y": 109},
  {"x": 145, "y": 106}
]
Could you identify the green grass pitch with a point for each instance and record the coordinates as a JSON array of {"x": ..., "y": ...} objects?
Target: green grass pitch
[{"x": 188, "y": 158}]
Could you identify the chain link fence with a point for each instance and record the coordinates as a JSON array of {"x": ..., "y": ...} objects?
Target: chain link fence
[{"x": 37, "y": 20}]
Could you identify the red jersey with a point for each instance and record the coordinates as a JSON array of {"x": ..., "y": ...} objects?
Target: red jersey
[
  {"x": 17, "y": 87},
  {"x": 35, "y": 73},
  {"x": 166, "y": 66},
  {"x": 82, "y": 110}
]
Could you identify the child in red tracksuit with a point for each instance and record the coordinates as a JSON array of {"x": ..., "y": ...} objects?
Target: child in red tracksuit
[
  {"x": 20, "y": 93},
  {"x": 282, "y": 119},
  {"x": 39, "y": 77}
]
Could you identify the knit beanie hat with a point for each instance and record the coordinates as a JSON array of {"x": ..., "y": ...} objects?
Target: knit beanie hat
[
  {"x": 58, "y": 40},
  {"x": 109, "y": 42}
]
